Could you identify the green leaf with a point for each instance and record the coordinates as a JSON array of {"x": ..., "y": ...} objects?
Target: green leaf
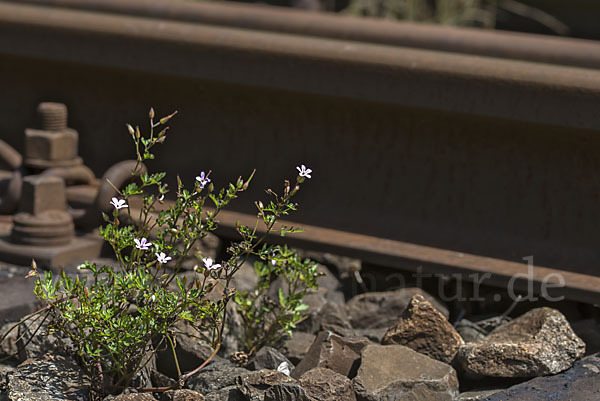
[{"x": 282, "y": 299}]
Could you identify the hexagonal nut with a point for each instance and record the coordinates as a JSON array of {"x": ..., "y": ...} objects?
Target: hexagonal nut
[
  {"x": 51, "y": 145},
  {"x": 41, "y": 194}
]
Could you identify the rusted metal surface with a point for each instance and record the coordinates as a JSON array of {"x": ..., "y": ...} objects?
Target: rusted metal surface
[
  {"x": 49, "y": 192},
  {"x": 434, "y": 154},
  {"x": 357, "y": 71},
  {"x": 539, "y": 48},
  {"x": 428, "y": 260}
]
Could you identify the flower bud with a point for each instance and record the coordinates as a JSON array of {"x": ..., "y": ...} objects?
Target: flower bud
[
  {"x": 167, "y": 118},
  {"x": 130, "y": 129},
  {"x": 151, "y": 112}
]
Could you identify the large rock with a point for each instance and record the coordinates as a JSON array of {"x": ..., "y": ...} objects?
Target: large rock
[
  {"x": 327, "y": 385},
  {"x": 580, "y": 383},
  {"x": 215, "y": 376},
  {"x": 381, "y": 309},
  {"x": 53, "y": 378},
  {"x": 538, "y": 343},
  {"x": 340, "y": 354},
  {"x": 396, "y": 372},
  {"x": 424, "y": 329},
  {"x": 296, "y": 347}
]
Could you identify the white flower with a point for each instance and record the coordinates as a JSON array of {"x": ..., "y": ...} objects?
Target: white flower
[
  {"x": 142, "y": 244},
  {"x": 162, "y": 258},
  {"x": 303, "y": 171},
  {"x": 203, "y": 179},
  {"x": 209, "y": 264},
  {"x": 284, "y": 368},
  {"x": 118, "y": 203}
]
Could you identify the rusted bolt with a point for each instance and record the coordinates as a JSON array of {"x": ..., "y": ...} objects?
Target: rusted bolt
[{"x": 53, "y": 116}]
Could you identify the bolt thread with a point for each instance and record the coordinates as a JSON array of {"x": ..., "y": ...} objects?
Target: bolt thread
[{"x": 53, "y": 116}]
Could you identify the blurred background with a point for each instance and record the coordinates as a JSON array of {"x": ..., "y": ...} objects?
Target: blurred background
[{"x": 577, "y": 18}]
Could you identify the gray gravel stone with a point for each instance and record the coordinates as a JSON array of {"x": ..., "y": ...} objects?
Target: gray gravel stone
[
  {"x": 540, "y": 342},
  {"x": 327, "y": 385},
  {"x": 396, "y": 372},
  {"x": 340, "y": 354},
  {"x": 424, "y": 329}
]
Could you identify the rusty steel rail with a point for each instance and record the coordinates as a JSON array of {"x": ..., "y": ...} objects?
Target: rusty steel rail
[
  {"x": 455, "y": 162},
  {"x": 506, "y": 45},
  {"x": 425, "y": 260},
  {"x": 360, "y": 71}
]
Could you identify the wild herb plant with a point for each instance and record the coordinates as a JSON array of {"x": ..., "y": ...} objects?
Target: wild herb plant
[
  {"x": 266, "y": 320},
  {"x": 118, "y": 316}
]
